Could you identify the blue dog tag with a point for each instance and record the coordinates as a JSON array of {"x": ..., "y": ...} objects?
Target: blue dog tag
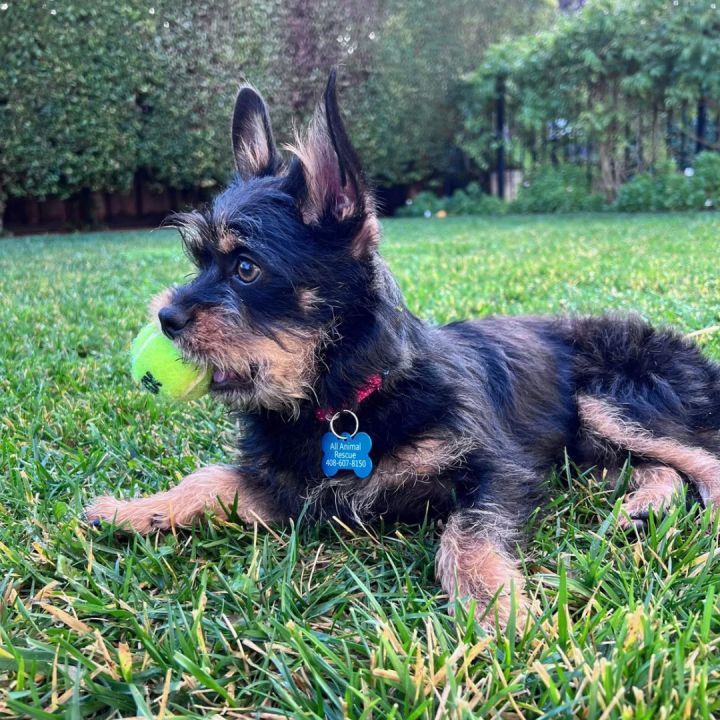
[{"x": 349, "y": 452}]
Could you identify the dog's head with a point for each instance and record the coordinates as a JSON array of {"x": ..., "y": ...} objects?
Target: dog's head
[{"x": 284, "y": 256}]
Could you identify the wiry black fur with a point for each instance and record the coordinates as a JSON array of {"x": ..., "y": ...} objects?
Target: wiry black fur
[{"x": 507, "y": 388}]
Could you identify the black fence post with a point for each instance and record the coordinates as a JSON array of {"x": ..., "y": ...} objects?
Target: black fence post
[
  {"x": 500, "y": 133},
  {"x": 701, "y": 130}
]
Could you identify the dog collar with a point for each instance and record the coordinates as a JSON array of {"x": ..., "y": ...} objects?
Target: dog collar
[{"x": 372, "y": 384}]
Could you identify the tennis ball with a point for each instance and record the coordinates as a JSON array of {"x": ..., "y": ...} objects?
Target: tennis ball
[{"x": 158, "y": 366}]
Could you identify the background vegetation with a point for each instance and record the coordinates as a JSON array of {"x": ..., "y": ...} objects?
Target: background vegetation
[
  {"x": 612, "y": 105},
  {"x": 103, "y": 102},
  {"x": 98, "y": 95},
  {"x": 321, "y": 622},
  {"x": 619, "y": 89}
]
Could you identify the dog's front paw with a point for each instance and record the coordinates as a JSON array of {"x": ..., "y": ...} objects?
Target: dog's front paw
[
  {"x": 129, "y": 515},
  {"x": 102, "y": 509},
  {"x": 493, "y": 614}
]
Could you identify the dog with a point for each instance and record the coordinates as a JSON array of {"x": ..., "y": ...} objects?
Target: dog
[{"x": 306, "y": 332}]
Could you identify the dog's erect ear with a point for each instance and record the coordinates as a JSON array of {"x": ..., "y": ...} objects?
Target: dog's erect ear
[
  {"x": 252, "y": 138},
  {"x": 334, "y": 184}
]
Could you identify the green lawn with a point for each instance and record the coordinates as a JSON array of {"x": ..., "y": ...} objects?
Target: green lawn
[{"x": 323, "y": 622}]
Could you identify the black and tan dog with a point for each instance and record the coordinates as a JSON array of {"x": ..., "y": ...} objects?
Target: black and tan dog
[{"x": 297, "y": 314}]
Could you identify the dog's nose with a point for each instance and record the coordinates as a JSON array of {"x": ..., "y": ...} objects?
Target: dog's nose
[{"x": 172, "y": 320}]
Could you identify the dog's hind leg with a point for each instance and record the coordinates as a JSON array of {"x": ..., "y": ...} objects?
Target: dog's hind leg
[
  {"x": 217, "y": 488},
  {"x": 604, "y": 422},
  {"x": 653, "y": 486}
]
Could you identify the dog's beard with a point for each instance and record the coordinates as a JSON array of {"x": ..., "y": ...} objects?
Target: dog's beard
[
  {"x": 252, "y": 371},
  {"x": 249, "y": 390},
  {"x": 237, "y": 389},
  {"x": 246, "y": 384}
]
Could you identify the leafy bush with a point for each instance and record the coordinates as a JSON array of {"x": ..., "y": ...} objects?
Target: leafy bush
[
  {"x": 611, "y": 76},
  {"x": 562, "y": 189},
  {"x": 423, "y": 203},
  {"x": 469, "y": 201},
  {"x": 707, "y": 175},
  {"x": 92, "y": 92},
  {"x": 473, "y": 201},
  {"x": 566, "y": 189},
  {"x": 675, "y": 191},
  {"x": 672, "y": 190},
  {"x": 68, "y": 119},
  {"x": 637, "y": 195}
]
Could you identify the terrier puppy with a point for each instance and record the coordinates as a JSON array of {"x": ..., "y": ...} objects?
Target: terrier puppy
[{"x": 300, "y": 319}]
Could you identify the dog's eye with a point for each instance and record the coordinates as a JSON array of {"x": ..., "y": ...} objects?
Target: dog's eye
[{"x": 247, "y": 270}]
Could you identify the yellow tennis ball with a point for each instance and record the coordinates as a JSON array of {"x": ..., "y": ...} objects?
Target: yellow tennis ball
[{"x": 158, "y": 366}]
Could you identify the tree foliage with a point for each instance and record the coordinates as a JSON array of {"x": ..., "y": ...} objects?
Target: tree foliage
[
  {"x": 610, "y": 79},
  {"x": 68, "y": 78},
  {"x": 410, "y": 105},
  {"x": 192, "y": 67},
  {"x": 92, "y": 93}
]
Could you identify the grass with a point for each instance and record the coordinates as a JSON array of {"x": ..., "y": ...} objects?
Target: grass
[{"x": 323, "y": 622}]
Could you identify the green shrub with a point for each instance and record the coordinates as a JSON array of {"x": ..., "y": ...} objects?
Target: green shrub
[
  {"x": 637, "y": 195},
  {"x": 603, "y": 76},
  {"x": 676, "y": 191},
  {"x": 424, "y": 202},
  {"x": 468, "y": 201},
  {"x": 566, "y": 189},
  {"x": 707, "y": 175},
  {"x": 561, "y": 189},
  {"x": 672, "y": 190},
  {"x": 473, "y": 201},
  {"x": 594, "y": 202}
]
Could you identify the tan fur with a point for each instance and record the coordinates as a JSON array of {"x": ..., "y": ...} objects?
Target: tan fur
[
  {"x": 188, "y": 225},
  {"x": 211, "y": 488},
  {"x": 285, "y": 364},
  {"x": 322, "y": 177},
  {"x": 158, "y": 302},
  {"x": 316, "y": 155},
  {"x": 424, "y": 458},
  {"x": 606, "y": 421},
  {"x": 368, "y": 236},
  {"x": 415, "y": 468},
  {"x": 227, "y": 240},
  {"x": 472, "y": 566},
  {"x": 654, "y": 486},
  {"x": 309, "y": 299},
  {"x": 254, "y": 154}
]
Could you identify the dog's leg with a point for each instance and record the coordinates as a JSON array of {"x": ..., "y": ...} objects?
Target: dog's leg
[
  {"x": 653, "y": 486},
  {"x": 216, "y": 488},
  {"x": 606, "y": 423},
  {"x": 474, "y": 562}
]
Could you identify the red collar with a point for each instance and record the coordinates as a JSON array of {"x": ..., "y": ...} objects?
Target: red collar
[{"x": 372, "y": 384}]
